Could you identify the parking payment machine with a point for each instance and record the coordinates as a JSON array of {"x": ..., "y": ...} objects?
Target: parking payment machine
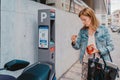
[
  {"x": 46, "y": 30},
  {"x": 46, "y": 27}
]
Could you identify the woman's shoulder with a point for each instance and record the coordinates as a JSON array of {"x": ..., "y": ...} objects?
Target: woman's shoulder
[
  {"x": 83, "y": 29},
  {"x": 103, "y": 27}
]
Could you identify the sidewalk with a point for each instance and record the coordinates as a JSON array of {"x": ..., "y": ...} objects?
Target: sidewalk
[{"x": 74, "y": 73}]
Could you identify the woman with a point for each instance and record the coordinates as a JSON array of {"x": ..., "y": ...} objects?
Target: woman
[{"x": 91, "y": 40}]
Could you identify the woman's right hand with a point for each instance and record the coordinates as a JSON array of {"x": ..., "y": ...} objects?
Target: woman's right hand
[
  {"x": 91, "y": 49},
  {"x": 73, "y": 38}
]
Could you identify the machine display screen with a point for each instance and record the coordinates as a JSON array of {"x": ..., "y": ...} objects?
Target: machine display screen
[{"x": 43, "y": 36}]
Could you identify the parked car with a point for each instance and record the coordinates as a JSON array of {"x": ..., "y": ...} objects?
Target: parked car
[
  {"x": 115, "y": 28},
  {"x": 119, "y": 31}
]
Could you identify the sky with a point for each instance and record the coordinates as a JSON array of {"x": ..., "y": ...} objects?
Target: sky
[{"x": 115, "y": 5}]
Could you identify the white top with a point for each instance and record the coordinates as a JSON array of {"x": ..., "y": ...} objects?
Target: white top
[{"x": 91, "y": 40}]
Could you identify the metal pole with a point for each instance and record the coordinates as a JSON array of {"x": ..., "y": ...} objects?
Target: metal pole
[{"x": 70, "y": 5}]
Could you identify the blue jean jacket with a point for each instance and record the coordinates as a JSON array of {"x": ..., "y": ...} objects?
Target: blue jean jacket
[{"x": 102, "y": 39}]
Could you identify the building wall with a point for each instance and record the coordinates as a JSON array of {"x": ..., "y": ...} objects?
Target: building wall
[
  {"x": 116, "y": 18},
  {"x": 65, "y": 5},
  {"x": 102, "y": 19},
  {"x": 19, "y": 34},
  {"x": 90, "y": 3},
  {"x": 62, "y": 4}
]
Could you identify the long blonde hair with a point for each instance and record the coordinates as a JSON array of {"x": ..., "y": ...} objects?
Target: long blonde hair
[{"x": 90, "y": 13}]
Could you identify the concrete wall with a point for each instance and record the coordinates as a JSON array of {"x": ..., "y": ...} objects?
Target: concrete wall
[
  {"x": 0, "y": 30},
  {"x": 19, "y": 34},
  {"x": 66, "y": 25}
]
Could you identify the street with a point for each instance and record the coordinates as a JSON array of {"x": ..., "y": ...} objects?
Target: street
[{"x": 115, "y": 54}]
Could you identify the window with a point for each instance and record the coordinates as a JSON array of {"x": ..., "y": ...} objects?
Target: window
[{"x": 41, "y": 1}]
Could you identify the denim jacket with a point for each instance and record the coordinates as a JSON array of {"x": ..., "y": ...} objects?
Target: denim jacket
[{"x": 102, "y": 39}]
